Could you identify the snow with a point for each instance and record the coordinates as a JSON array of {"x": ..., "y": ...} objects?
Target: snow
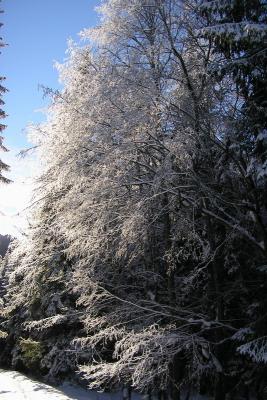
[
  {"x": 15, "y": 386},
  {"x": 78, "y": 393}
]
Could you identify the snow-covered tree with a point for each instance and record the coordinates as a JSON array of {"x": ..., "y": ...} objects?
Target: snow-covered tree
[
  {"x": 237, "y": 30},
  {"x": 145, "y": 266},
  {"x": 3, "y": 166}
]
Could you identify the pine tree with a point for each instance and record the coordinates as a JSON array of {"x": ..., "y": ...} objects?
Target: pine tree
[{"x": 238, "y": 32}]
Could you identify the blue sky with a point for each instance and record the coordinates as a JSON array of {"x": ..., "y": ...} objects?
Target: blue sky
[{"x": 36, "y": 32}]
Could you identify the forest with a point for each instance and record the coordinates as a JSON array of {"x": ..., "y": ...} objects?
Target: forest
[{"x": 145, "y": 265}]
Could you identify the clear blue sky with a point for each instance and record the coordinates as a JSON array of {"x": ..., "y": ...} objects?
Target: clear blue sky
[{"x": 36, "y": 32}]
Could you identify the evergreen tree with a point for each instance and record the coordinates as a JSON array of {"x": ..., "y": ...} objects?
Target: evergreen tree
[{"x": 238, "y": 33}]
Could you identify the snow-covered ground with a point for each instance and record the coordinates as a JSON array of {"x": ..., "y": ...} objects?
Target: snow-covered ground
[{"x": 15, "y": 386}]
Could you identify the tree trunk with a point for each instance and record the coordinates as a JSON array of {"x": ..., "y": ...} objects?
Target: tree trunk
[
  {"x": 219, "y": 389},
  {"x": 126, "y": 393}
]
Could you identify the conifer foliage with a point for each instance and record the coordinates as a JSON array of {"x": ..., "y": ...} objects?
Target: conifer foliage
[{"x": 146, "y": 264}]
